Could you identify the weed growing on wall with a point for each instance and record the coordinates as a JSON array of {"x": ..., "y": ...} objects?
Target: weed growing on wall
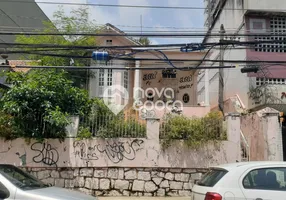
[{"x": 195, "y": 132}]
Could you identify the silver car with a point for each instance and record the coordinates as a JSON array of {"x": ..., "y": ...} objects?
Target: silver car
[{"x": 15, "y": 184}]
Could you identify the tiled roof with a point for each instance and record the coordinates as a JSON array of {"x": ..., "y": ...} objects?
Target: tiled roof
[{"x": 20, "y": 63}]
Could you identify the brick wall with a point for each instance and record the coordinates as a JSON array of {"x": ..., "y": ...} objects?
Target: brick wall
[{"x": 122, "y": 181}]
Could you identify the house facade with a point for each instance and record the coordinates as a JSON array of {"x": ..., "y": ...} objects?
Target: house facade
[
  {"x": 149, "y": 88},
  {"x": 255, "y": 90}
]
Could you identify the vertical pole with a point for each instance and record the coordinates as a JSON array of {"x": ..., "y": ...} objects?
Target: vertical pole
[
  {"x": 207, "y": 90},
  {"x": 221, "y": 71},
  {"x": 137, "y": 79}
]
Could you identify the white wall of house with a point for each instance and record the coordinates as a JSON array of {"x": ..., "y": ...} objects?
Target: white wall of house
[
  {"x": 235, "y": 81},
  {"x": 107, "y": 77}
]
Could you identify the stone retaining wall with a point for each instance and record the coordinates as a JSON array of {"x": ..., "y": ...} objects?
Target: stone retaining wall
[{"x": 122, "y": 181}]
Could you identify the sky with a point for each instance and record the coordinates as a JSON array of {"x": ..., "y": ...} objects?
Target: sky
[{"x": 129, "y": 19}]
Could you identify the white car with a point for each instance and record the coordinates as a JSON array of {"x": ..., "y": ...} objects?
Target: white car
[
  {"x": 16, "y": 184},
  {"x": 243, "y": 181}
]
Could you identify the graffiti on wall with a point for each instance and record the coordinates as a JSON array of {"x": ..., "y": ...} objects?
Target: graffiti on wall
[
  {"x": 149, "y": 76},
  {"x": 114, "y": 151},
  {"x": 85, "y": 152},
  {"x": 182, "y": 87},
  {"x": 186, "y": 79},
  {"x": 45, "y": 154}
]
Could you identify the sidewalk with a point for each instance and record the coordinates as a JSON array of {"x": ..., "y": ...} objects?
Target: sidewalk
[{"x": 145, "y": 198}]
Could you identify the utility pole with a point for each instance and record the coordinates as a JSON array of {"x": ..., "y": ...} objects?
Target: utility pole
[{"x": 221, "y": 71}]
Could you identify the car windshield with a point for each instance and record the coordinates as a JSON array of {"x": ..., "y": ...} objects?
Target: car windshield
[
  {"x": 20, "y": 179},
  {"x": 212, "y": 177}
]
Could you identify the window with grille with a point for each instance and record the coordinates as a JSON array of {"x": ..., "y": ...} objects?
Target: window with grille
[
  {"x": 270, "y": 81},
  {"x": 126, "y": 79},
  {"x": 277, "y": 26}
]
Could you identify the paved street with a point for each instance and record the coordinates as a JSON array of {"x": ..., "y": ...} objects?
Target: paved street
[{"x": 145, "y": 198}]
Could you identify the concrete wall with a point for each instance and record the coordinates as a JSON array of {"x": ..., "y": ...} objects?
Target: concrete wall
[
  {"x": 108, "y": 153},
  {"x": 263, "y": 134},
  {"x": 264, "y": 4},
  {"x": 122, "y": 166}
]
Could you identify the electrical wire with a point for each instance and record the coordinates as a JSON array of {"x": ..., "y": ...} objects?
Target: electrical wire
[
  {"x": 189, "y": 29},
  {"x": 130, "y": 6},
  {"x": 93, "y": 47},
  {"x": 115, "y": 68},
  {"x": 118, "y": 57},
  {"x": 172, "y": 35},
  {"x": 144, "y": 46},
  {"x": 204, "y": 58}
]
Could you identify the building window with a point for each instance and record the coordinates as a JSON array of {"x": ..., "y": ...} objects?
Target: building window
[
  {"x": 170, "y": 73},
  {"x": 270, "y": 81},
  {"x": 277, "y": 26},
  {"x": 101, "y": 77},
  {"x": 109, "y": 77},
  {"x": 257, "y": 25},
  {"x": 126, "y": 79},
  {"x": 108, "y": 42}
]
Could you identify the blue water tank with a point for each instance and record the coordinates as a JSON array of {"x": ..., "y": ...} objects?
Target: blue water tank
[{"x": 100, "y": 55}]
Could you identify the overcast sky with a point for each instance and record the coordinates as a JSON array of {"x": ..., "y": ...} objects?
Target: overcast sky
[{"x": 124, "y": 17}]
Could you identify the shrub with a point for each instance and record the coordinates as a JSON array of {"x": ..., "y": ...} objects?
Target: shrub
[
  {"x": 83, "y": 133},
  {"x": 40, "y": 102},
  {"x": 194, "y": 132}
]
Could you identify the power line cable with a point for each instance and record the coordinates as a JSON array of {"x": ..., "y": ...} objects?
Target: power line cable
[
  {"x": 131, "y": 6},
  {"x": 118, "y": 57},
  {"x": 146, "y": 35},
  {"x": 144, "y": 46},
  {"x": 197, "y": 29},
  {"x": 117, "y": 68}
]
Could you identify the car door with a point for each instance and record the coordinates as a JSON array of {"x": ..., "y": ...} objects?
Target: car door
[{"x": 264, "y": 183}]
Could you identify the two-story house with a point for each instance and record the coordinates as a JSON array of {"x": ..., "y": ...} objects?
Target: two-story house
[
  {"x": 149, "y": 85},
  {"x": 255, "y": 90}
]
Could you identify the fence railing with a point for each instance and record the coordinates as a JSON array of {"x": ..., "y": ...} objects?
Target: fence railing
[
  {"x": 111, "y": 126},
  {"x": 245, "y": 149}
]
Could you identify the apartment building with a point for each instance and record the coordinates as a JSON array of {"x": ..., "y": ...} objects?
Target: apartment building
[{"x": 254, "y": 90}]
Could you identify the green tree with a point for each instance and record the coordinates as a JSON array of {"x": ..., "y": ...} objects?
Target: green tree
[
  {"x": 143, "y": 41},
  {"x": 78, "y": 21},
  {"x": 39, "y": 103}
]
